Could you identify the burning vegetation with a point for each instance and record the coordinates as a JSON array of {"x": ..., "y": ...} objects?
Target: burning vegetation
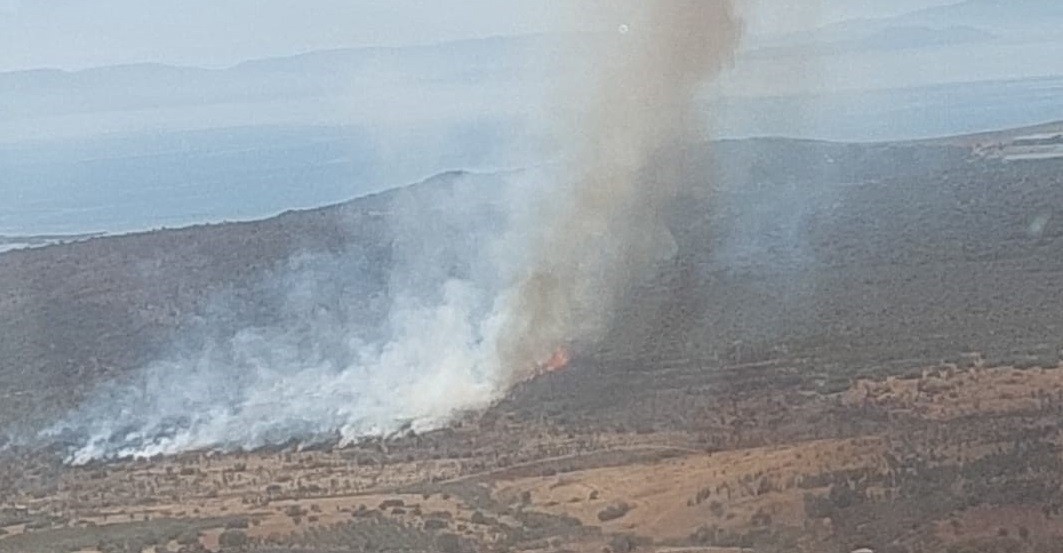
[{"x": 557, "y": 362}]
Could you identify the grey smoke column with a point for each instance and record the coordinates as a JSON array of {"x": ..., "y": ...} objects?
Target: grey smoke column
[{"x": 607, "y": 228}]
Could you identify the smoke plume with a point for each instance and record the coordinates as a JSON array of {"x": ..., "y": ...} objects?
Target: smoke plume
[
  {"x": 488, "y": 275},
  {"x": 609, "y": 228}
]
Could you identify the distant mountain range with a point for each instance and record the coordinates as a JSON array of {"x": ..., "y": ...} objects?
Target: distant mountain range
[
  {"x": 481, "y": 74},
  {"x": 972, "y": 21},
  {"x": 861, "y": 38},
  {"x": 995, "y": 16},
  {"x": 1008, "y": 15},
  {"x": 336, "y": 72}
]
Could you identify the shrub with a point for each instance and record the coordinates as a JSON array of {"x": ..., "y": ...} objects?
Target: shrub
[
  {"x": 232, "y": 539},
  {"x": 449, "y": 543},
  {"x": 435, "y": 524},
  {"x": 188, "y": 537},
  {"x": 761, "y": 518},
  {"x": 237, "y": 523},
  {"x": 705, "y": 535},
  {"x": 622, "y": 543},
  {"x": 614, "y": 511}
]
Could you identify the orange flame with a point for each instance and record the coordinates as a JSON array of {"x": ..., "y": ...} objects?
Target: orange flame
[{"x": 558, "y": 361}]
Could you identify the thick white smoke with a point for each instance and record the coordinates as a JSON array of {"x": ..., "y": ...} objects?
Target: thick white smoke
[
  {"x": 322, "y": 369},
  {"x": 486, "y": 281}
]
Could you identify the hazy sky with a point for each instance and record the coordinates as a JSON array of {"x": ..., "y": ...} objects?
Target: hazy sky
[{"x": 75, "y": 34}]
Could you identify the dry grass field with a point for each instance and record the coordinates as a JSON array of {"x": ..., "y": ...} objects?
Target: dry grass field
[{"x": 918, "y": 469}]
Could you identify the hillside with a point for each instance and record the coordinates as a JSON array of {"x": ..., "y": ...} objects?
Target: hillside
[
  {"x": 856, "y": 346},
  {"x": 852, "y": 257}
]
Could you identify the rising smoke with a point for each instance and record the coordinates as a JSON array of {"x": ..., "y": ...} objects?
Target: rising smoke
[
  {"x": 487, "y": 279},
  {"x": 610, "y": 228}
]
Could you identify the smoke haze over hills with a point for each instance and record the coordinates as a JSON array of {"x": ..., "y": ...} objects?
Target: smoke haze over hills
[
  {"x": 480, "y": 292},
  {"x": 530, "y": 269}
]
